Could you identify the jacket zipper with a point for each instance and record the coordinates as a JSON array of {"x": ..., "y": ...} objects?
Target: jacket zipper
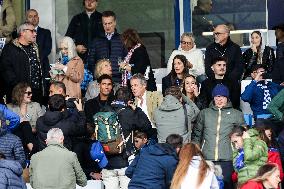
[
  {"x": 203, "y": 144},
  {"x": 217, "y": 135}
]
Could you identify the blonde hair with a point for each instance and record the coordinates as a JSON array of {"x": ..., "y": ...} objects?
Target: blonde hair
[
  {"x": 71, "y": 47},
  {"x": 99, "y": 65}
]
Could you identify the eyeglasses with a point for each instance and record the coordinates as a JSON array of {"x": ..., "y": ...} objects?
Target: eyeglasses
[
  {"x": 29, "y": 93},
  {"x": 186, "y": 43},
  {"x": 31, "y": 30},
  {"x": 217, "y": 33}
]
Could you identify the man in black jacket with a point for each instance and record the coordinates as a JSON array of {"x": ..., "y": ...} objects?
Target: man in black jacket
[
  {"x": 20, "y": 62},
  {"x": 57, "y": 117},
  {"x": 84, "y": 27},
  {"x": 219, "y": 68},
  {"x": 104, "y": 98},
  {"x": 44, "y": 42},
  {"x": 223, "y": 46},
  {"x": 108, "y": 45},
  {"x": 277, "y": 74}
]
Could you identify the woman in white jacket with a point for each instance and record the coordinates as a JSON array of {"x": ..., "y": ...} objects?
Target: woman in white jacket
[
  {"x": 193, "y": 55},
  {"x": 192, "y": 171}
]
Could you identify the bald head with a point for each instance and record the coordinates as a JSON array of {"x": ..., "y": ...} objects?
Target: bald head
[{"x": 205, "y": 5}]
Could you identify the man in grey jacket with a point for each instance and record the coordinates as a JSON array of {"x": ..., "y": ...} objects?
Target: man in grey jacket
[
  {"x": 214, "y": 124},
  {"x": 55, "y": 166},
  {"x": 172, "y": 116}
]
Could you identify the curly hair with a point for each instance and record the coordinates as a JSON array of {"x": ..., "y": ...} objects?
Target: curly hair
[{"x": 19, "y": 92}]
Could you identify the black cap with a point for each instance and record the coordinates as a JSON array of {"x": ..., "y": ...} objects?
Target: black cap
[{"x": 280, "y": 26}]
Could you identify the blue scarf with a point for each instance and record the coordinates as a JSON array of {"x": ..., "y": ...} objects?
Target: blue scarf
[
  {"x": 65, "y": 59},
  {"x": 239, "y": 163}
]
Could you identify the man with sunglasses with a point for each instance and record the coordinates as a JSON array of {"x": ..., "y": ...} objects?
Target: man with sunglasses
[
  {"x": 224, "y": 47},
  {"x": 20, "y": 62}
]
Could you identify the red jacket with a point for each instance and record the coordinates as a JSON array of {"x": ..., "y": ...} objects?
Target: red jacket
[
  {"x": 274, "y": 157},
  {"x": 252, "y": 185}
]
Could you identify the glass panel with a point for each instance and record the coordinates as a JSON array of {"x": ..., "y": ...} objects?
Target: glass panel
[
  {"x": 238, "y": 14},
  {"x": 153, "y": 19}
]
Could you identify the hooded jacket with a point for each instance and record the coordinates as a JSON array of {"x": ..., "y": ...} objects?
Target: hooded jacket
[
  {"x": 63, "y": 121},
  {"x": 169, "y": 118},
  {"x": 255, "y": 155},
  {"x": 212, "y": 131},
  {"x": 11, "y": 146},
  {"x": 153, "y": 168},
  {"x": 11, "y": 175}
]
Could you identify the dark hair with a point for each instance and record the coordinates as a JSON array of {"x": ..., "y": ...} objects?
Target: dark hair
[
  {"x": 263, "y": 136},
  {"x": 104, "y": 76},
  {"x": 184, "y": 61},
  {"x": 184, "y": 78},
  {"x": 139, "y": 134},
  {"x": 2, "y": 156},
  {"x": 238, "y": 130},
  {"x": 18, "y": 93},
  {"x": 109, "y": 13},
  {"x": 60, "y": 85},
  {"x": 174, "y": 91},
  {"x": 130, "y": 38},
  {"x": 85, "y": 0},
  {"x": 175, "y": 140},
  {"x": 219, "y": 59},
  {"x": 56, "y": 102},
  {"x": 256, "y": 67},
  {"x": 258, "y": 33},
  {"x": 123, "y": 94}
]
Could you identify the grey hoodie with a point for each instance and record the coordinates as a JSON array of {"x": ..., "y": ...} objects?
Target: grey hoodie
[{"x": 169, "y": 118}]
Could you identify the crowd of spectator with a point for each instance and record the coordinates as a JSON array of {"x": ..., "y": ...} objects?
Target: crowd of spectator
[{"x": 96, "y": 114}]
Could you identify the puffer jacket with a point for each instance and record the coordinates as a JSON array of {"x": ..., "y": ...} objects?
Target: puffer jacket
[
  {"x": 169, "y": 118},
  {"x": 255, "y": 155},
  {"x": 153, "y": 168},
  {"x": 11, "y": 146},
  {"x": 11, "y": 175},
  {"x": 212, "y": 131}
]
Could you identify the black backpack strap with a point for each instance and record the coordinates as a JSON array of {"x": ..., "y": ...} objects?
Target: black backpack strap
[{"x": 186, "y": 118}]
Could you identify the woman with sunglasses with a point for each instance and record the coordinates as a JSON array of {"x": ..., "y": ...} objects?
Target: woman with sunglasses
[
  {"x": 23, "y": 105},
  {"x": 194, "y": 56}
]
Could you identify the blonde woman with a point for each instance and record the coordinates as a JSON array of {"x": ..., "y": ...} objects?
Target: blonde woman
[
  {"x": 103, "y": 66},
  {"x": 192, "y": 171},
  {"x": 69, "y": 69},
  {"x": 267, "y": 176}
]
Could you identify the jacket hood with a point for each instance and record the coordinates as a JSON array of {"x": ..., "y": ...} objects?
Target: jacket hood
[
  {"x": 14, "y": 166},
  {"x": 51, "y": 118},
  {"x": 161, "y": 150},
  {"x": 3, "y": 131},
  {"x": 253, "y": 133},
  {"x": 170, "y": 103}
]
